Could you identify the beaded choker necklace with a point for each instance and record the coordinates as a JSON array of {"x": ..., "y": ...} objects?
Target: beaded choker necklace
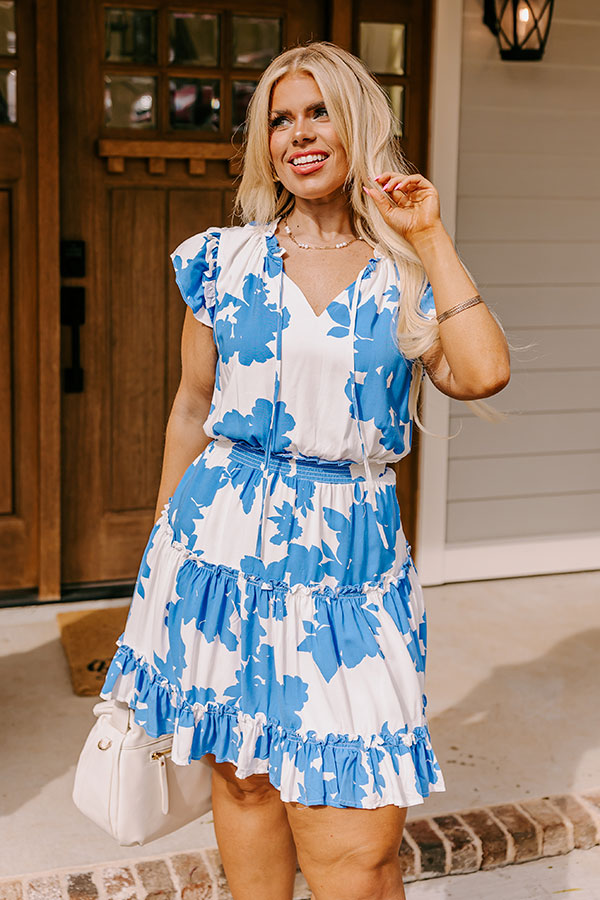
[{"x": 337, "y": 246}]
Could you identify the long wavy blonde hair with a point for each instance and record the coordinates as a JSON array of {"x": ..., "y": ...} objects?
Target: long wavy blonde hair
[{"x": 362, "y": 116}]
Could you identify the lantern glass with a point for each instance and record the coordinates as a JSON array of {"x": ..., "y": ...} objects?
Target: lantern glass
[{"x": 522, "y": 27}]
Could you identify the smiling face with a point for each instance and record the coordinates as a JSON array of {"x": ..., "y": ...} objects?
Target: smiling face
[{"x": 307, "y": 153}]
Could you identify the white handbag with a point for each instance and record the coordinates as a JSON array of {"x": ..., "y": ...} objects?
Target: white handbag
[{"x": 127, "y": 784}]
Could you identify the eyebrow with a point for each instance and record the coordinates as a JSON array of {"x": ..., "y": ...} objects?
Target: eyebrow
[{"x": 309, "y": 108}]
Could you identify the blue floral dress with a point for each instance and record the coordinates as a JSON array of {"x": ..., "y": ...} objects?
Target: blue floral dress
[{"x": 277, "y": 620}]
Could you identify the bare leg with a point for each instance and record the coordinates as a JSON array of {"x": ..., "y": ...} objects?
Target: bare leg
[
  {"x": 253, "y": 834},
  {"x": 349, "y": 854}
]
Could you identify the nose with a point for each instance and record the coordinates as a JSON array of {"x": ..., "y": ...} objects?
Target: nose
[{"x": 303, "y": 130}]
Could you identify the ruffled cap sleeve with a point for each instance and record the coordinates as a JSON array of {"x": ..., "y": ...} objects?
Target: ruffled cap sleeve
[{"x": 196, "y": 270}]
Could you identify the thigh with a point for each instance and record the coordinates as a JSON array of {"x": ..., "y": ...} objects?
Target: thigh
[
  {"x": 326, "y": 837},
  {"x": 254, "y": 787}
]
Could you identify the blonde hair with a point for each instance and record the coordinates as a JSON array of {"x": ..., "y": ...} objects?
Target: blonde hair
[{"x": 362, "y": 116}]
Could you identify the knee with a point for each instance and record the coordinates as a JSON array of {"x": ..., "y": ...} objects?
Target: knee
[
  {"x": 255, "y": 789},
  {"x": 370, "y": 873},
  {"x": 367, "y": 878},
  {"x": 381, "y": 883}
]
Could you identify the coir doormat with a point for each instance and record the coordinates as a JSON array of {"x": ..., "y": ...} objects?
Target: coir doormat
[{"x": 90, "y": 642}]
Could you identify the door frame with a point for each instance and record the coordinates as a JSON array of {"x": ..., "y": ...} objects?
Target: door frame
[
  {"x": 48, "y": 236},
  {"x": 444, "y": 125}
]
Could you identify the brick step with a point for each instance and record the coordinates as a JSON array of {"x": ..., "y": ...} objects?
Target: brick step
[{"x": 450, "y": 844}]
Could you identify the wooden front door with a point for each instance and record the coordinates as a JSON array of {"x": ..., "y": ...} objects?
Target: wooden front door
[{"x": 150, "y": 95}]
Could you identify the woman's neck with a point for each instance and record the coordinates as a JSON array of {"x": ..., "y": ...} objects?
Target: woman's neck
[{"x": 322, "y": 220}]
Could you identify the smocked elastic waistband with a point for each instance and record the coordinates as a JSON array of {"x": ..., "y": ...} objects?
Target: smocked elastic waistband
[{"x": 334, "y": 471}]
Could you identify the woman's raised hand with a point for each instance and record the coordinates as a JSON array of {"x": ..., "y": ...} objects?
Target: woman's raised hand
[{"x": 409, "y": 203}]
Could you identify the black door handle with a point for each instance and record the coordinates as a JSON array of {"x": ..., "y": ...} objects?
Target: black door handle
[{"x": 72, "y": 314}]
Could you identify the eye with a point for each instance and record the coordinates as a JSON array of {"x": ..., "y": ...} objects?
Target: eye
[
  {"x": 277, "y": 120},
  {"x": 320, "y": 110}
]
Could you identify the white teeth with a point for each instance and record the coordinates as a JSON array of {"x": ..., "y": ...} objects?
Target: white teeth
[{"x": 301, "y": 160}]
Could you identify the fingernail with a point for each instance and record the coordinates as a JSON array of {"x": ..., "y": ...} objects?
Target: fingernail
[{"x": 366, "y": 190}]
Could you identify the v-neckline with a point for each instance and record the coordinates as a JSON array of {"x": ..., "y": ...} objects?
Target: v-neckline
[
  {"x": 335, "y": 299},
  {"x": 331, "y": 302}
]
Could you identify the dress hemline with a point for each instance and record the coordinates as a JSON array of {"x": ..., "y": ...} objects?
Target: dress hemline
[{"x": 257, "y": 745}]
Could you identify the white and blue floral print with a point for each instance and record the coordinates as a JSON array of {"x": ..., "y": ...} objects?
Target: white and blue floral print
[{"x": 278, "y": 621}]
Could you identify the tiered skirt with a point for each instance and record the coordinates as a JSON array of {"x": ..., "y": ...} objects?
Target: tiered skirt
[{"x": 303, "y": 657}]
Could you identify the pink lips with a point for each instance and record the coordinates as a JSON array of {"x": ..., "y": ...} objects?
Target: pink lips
[{"x": 309, "y": 167}]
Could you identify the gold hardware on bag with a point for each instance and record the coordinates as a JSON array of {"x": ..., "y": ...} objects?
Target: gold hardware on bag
[
  {"x": 159, "y": 754},
  {"x": 104, "y": 743}
]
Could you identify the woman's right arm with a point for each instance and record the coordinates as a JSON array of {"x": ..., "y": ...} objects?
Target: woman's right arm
[{"x": 185, "y": 435}]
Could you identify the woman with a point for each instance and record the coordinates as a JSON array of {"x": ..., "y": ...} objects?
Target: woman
[{"x": 278, "y": 625}]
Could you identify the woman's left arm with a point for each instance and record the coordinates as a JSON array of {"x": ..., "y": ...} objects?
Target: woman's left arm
[{"x": 472, "y": 360}]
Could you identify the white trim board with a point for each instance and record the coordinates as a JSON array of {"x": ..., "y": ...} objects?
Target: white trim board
[
  {"x": 543, "y": 555},
  {"x": 444, "y": 121}
]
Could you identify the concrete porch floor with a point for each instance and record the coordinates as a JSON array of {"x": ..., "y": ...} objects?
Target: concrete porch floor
[{"x": 513, "y": 672}]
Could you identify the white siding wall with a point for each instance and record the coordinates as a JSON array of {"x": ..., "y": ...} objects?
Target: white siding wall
[{"x": 528, "y": 228}]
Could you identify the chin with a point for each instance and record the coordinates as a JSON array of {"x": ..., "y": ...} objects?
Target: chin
[{"x": 316, "y": 192}]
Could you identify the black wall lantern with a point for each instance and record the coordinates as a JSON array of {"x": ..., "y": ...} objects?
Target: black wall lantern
[{"x": 521, "y": 26}]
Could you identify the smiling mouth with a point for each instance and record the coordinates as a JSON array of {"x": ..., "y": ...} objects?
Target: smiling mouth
[{"x": 311, "y": 159}]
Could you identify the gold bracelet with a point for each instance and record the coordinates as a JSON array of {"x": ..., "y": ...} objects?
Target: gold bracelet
[{"x": 459, "y": 308}]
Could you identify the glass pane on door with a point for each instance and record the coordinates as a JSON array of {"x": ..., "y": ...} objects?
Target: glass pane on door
[
  {"x": 129, "y": 101},
  {"x": 396, "y": 94},
  {"x": 255, "y": 41},
  {"x": 8, "y": 34},
  {"x": 8, "y": 96},
  {"x": 383, "y": 47},
  {"x": 130, "y": 35},
  {"x": 241, "y": 92},
  {"x": 195, "y": 103},
  {"x": 194, "y": 39}
]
